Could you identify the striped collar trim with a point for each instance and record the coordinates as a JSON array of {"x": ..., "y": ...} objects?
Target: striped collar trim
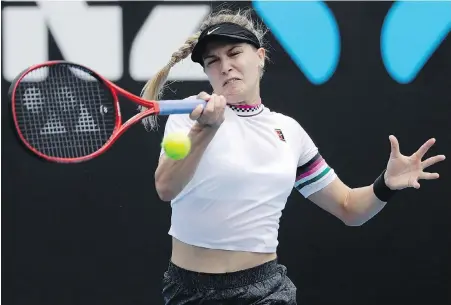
[{"x": 247, "y": 110}]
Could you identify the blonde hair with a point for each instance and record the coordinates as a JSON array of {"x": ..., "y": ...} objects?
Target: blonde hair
[{"x": 153, "y": 89}]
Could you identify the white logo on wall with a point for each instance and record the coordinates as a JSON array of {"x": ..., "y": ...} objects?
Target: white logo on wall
[{"x": 83, "y": 39}]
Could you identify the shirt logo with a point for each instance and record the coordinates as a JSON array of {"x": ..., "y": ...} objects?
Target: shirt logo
[{"x": 280, "y": 134}]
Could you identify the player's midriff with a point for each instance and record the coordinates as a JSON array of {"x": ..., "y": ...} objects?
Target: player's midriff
[{"x": 215, "y": 261}]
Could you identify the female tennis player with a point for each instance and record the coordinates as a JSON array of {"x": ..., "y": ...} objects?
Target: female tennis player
[{"x": 228, "y": 194}]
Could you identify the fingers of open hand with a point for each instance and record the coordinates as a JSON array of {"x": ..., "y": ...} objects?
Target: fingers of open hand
[
  {"x": 428, "y": 176},
  {"x": 419, "y": 154},
  {"x": 432, "y": 160},
  {"x": 395, "y": 152},
  {"x": 413, "y": 182}
]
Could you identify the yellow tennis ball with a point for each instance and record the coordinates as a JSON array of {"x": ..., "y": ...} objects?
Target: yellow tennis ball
[{"x": 176, "y": 145}]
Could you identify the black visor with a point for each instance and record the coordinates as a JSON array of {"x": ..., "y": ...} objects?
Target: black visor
[{"x": 225, "y": 31}]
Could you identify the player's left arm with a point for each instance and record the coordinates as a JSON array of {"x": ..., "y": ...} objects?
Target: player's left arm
[
  {"x": 318, "y": 182},
  {"x": 353, "y": 206}
]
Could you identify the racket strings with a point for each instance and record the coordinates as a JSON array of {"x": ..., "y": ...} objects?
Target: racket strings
[{"x": 63, "y": 111}]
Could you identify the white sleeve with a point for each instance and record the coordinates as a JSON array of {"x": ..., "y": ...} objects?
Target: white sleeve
[
  {"x": 313, "y": 173},
  {"x": 178, "y": 123}
]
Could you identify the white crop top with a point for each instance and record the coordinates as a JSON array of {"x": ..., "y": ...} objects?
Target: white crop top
[{"x": 236, "y": 196}]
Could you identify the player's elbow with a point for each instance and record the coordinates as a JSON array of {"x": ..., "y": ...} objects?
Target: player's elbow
[
  {"x": 353, "y": 221},
  {"x": 164, "y": 191},
  {"x": 169, "y": 181},
  {"x": 162, "y": 185},
  {"x": 352, "y": 218}
]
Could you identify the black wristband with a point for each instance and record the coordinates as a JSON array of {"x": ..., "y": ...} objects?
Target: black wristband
[{"x": 381, "y": 190}]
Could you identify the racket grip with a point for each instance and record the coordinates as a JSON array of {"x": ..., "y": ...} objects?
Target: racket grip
[{"x": 168, "y": 107}]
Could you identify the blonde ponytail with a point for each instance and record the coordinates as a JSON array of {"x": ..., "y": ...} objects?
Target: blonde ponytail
[{"x": 154, "y": 88}]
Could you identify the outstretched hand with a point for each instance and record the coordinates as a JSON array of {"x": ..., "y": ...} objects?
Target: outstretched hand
[{"x": 405, "y": 171}]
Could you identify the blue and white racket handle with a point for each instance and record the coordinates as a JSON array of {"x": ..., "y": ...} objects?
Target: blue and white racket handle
[{"x": 168, "y": 107}]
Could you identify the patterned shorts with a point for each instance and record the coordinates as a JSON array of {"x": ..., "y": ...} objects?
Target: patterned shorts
[{"x": 264, "y": 284}]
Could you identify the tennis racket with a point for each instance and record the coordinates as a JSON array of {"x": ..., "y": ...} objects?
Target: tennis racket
[{"x": 67, "y": 113}]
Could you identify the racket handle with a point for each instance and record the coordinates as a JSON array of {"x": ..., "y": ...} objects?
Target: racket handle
[{"x": 168, "y": 107}]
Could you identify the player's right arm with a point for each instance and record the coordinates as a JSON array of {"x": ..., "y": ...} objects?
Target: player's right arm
[{"x": 171, "y": 175}]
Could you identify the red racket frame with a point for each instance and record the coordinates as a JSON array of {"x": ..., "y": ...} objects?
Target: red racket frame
[{"x": 119, "y": 127}]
